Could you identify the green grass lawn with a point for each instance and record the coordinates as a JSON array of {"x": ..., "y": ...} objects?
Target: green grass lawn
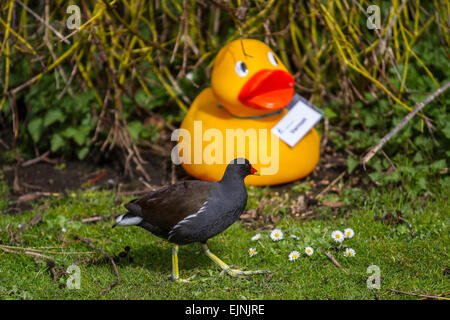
[{"x": 409, "y": 260}]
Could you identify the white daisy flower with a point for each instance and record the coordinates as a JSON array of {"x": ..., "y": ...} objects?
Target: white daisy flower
[
  {"x": 349, "y": 252},
  {"x": 63, "y": 230},
  {"x": 252, "y": 252},
  {"x": 349, "y": 233},
  {"x": 309, "y": 251},
  {"x": 256, "y": 237},
  {"x": 337, "y": 236},
  {"x": 294, "y": 255},
  {"x": 276, "y": 235}
]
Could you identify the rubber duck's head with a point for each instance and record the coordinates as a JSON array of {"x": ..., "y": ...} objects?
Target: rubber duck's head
[{"x": 249, "y": 79}]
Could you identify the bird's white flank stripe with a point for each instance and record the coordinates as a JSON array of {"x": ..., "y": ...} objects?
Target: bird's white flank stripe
[
  {"x": 189, "y": 217},
  {"x": 131, "y": 221}
]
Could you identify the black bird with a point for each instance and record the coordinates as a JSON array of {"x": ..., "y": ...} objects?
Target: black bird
[{"x": 194, "y": 211}]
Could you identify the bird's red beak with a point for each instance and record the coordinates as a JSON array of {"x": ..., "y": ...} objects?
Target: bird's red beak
[
  {"x": 254, "y": 171},
  {"x": 268, "y": 89}
]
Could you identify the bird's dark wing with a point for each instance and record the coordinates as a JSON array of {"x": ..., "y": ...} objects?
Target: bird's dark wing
[{"x": 167, "y": 206}]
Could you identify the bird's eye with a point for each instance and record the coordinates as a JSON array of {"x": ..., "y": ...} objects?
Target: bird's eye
[
  {"x": 272, "y": 58},
  {"x": 241, "y": 69}
]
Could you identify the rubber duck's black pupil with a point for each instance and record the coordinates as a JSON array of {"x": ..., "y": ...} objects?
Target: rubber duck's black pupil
[{"x": 243, "y": 67}]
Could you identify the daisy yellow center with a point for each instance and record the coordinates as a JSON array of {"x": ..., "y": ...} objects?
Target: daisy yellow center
[
  {"x": 337, "y": 236},
  {"x": 294, "y": 256},
  {"x": 308, "y": 250},
  {"x": 348, "y": 233},
  {"x": 349, "y": 253},
  {"x": 276, "y": 235}
]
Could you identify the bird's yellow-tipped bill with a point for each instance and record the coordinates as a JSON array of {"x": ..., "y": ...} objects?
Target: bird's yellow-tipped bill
[{"x": 254, "y": 172}]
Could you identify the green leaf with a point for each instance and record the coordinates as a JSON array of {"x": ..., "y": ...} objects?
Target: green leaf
[
  {"x": 371, "y": 119},
  {"x": 79, "y": 134},
  {"x": 82, "y": 153},
  {"x": 330, "y": 114},
  {"x": 446, "y": 130},
  {"x": 82, "y": 100},
  {"x": 35, "y": 128},
  {"x": 439, "y": 165},
  {"x": 79, "y": 137},
  {"x": 69, "y": 132},
  {"x": 393, "y": 177},
  {"x": 52, "y": 116},
  {"x": 375, "y": 176},
  {"x": 141, "y": 97},
  {"x": 135, "y": 129},
  {"x": 418, "y": 157},
  {"x": 57, "y": 142},
  {"x": 422, "y": 183},
  {"x": 352, "y": 163}
]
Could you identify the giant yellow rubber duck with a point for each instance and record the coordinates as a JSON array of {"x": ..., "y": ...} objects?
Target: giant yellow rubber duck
[{"x": 250, "y": 89}]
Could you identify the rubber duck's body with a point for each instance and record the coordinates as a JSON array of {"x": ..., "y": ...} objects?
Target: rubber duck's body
[{"x": 250, "y": 88}]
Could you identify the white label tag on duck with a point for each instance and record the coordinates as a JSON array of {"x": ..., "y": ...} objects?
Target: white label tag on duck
[{"x": 297, "y": 122}]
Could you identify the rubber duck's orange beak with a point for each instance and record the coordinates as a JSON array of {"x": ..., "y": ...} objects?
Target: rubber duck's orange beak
[{"x": 268, "y": 89}]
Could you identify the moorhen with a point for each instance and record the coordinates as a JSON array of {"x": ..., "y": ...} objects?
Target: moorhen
[{"x": 194, "y": 211}]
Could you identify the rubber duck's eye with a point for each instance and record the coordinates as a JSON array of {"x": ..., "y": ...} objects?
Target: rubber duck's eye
[
  {"x": 241, "y": 69},
  {"x": 272, "y": 58}
]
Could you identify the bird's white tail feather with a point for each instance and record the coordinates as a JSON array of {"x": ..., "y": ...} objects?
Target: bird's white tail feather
[{"x": 128, "y": 221}]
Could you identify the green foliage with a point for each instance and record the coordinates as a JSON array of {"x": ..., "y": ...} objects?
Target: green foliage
[
  {"x": 302, "y": 187},
  {"x": 418, "y": 155},
  {"x": 4, "y": 193},
  {"x": 138, "y": 130},
  {"x": 62, "y": 125},
  {"x": 339, "y": 64}
]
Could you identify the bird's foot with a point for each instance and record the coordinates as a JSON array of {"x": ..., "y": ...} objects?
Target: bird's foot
[
  {"x": 237, "y": 273},
  {"x": 242, "y": 274},
  {"x": 176, "y": 278}
]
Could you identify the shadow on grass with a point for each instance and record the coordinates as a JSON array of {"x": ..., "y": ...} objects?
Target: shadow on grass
[{"x": 158, "y": 258}]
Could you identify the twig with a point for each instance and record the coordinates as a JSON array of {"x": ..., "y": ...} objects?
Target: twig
[
  {"x": 402, "y": 123},
  {"x": 59, "y": 35},
  {"x": 439, "y": 296},
  {"x": 29, "y": 253},
  {"x": 185, "y": 20},
  {"x": 16, "y": 181},
  {"x": 69, "y": 81},
  {"x": 330, "y": 185},
  {"x": 14, "y": 91},
  {"x": 35, "y": 160},
  {"x": 173, "y": 174},
  {"x": 4, "y": 144},
  {"x": 405, "y": 221},
  {"x": 92, "y": 219},
  {"x": 428, "y": 296},
  {"x": 326, "y": 125},
  {"x": 34, "y": 221},
  {"x": 31, "y": 186},
  {"x": 333, "y": 259},
  {"x": 116, "y": 271},
  {"x": 40, "y": 251},
  {"x": 33, "y": 196}
]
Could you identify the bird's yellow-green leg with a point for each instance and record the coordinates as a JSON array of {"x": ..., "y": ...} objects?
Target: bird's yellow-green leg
[
  {"x": 226, "y": 268},
  {"x": 175, "y": 273}
]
